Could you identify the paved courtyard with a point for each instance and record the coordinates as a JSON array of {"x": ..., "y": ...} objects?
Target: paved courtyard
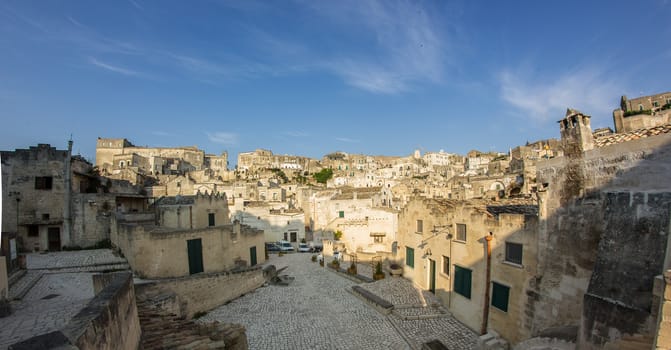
[
  {"x": 55, "y": 287},
  {"x": 317, "y": 311}
]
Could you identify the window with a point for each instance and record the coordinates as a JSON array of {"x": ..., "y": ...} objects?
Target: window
[
  {"x": 45, "y": 216},
  {"x": 640, "y": 107},
  {"x": 210, "y": 219},
  {"x": 462, "y": 281},
  {"x": 420, "y": 226},
  {"x": 461, "y": 232},
  {"x": 446, "y": 265},
  {"x": 293, "y": 236},
  {"x": 33, "y": 231},
  {"x": 378, "y": 239},
  {"x": 656, "y": 104},
  {"x": 341, "y": 214},
  {"x": 514, "y": 253},
  {"x": 500, "y": 294},
  {"x": 410, "y": 257},
  {"x": 286, "y": 236},
  {"x": 43, "y": 182}
]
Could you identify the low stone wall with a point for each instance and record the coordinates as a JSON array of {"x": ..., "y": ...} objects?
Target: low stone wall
[
  {"x": 109, "y": 321},
  {"x": 186, "y": 296}
]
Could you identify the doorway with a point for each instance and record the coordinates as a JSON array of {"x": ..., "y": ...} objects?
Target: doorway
[
  {"x": 195, "y": 250},
  {"x": 252, "y": 256},
  {"x": 54, "y": 238}
]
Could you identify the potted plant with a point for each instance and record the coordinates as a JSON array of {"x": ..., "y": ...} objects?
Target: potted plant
[
  {"x": 314, "y": 257},
  {"x": 352, "y": 269},
  {"x": 335, "y": 264},
  {"x": 378, "y": 275},
  {"x": 395, "y": 270}
]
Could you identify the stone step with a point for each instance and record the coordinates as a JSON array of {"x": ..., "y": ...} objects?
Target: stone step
[{"x": 23, "y": 285}]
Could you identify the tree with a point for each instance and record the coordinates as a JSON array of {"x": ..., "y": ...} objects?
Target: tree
[
  {"x": 337, "y": 235},
  {"x": 323, "y": 176}
]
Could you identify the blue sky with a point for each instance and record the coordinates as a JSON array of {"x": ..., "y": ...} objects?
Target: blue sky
[{"x": 312, "y": 77}]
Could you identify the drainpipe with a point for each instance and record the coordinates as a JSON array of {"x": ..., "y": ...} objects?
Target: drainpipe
[{"x": 485, "y": 309}]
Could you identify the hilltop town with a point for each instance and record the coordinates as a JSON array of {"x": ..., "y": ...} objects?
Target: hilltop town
[{"x": 558, "y": 242}]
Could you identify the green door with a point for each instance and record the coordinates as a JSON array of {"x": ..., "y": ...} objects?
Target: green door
[
  {"x": 252, "y": 256},
  {"x": 432, "y": 276},
  {"x": 195, "y": 249}
]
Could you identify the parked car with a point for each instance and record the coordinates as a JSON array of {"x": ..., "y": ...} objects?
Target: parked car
[
  {"x": 285, "y": 246},
  {"x": 272, "y": 247},
  {"x": 303, "y": 248},
  {"x": 316, "y": 247}
]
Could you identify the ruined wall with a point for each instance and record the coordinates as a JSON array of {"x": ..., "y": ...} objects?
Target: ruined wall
[
  {"x": 202, "y": 292},
  {"x": 631, "y": 253}
]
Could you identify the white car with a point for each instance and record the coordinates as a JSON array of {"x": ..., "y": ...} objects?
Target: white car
[
  {"x": 285, "y": 246},
  {"x": 303, "y": 248}
]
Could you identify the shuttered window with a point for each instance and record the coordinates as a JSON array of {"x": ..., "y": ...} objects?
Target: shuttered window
[
  {"x": 462, "y": 281},
  {"x": 500, "y": 294},
  {"x": 410, "y": 257}
]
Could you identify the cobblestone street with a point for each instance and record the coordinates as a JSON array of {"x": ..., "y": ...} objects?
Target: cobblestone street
[{"x": 317, "y": 311}]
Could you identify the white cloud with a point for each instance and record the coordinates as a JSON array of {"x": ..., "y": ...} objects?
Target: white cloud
[
  {"x": 112, "y": 68},
  {"x": 589, "y": 90},
  {"x": 409, "y": 45},
  {"x": 345, "y": 139},
  {"x": 296, "y": 134},
  {"x": 225, "y": 138}
]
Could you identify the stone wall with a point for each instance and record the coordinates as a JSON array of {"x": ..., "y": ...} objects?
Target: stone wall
[
  {"x": 573, "y": 210},
  {"x": 630, "y": 254},
  {"x": 109, "y": 321},
  {"x": 663, "y": 336},
  {"x": 156, "y": 252},
  {"x": 189, "y": 295}
]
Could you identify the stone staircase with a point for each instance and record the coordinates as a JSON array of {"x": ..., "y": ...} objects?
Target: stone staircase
[
  {"x": 491, "y": 341},
  {"x": 162, "y": 330}
]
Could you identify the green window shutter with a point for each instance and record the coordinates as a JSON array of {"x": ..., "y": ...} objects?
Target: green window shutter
[
  {"x": 462, "y": 281},
  {"x": 341, "y": 214},
  {"x": 410, "y": 257},
  {"x": 500, "y": 295}
]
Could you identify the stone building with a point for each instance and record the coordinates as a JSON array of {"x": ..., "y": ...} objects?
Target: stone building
[
  {"x": 443, "y": 248},
  {"x": 52, "y": 199},
  {"x": 642, "y": 112},
  {"x": 250, "y": 163},
  {"x": 115, "y": 154},
  {"x": 184, "y": 236},
  {"x": 277, "y": 221}
]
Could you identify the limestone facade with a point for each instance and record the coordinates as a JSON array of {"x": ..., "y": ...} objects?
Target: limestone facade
[
  {"x": 442, "y": 247},
  {"x": 162, "y": 252},
  {"x": 53, "y": 199}
]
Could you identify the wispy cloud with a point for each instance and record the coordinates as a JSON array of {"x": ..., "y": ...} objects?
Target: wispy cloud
[
  {"x": 225, "y": 138},
  {"x": 136, "y": 4},
  {"x": 409, "y": 46},
  {"x": 544, "y": 98},
  {"x": 296, "y": 134},
  {"x": 112, "y": 68},
  {"x": 345, "y": 139}
]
